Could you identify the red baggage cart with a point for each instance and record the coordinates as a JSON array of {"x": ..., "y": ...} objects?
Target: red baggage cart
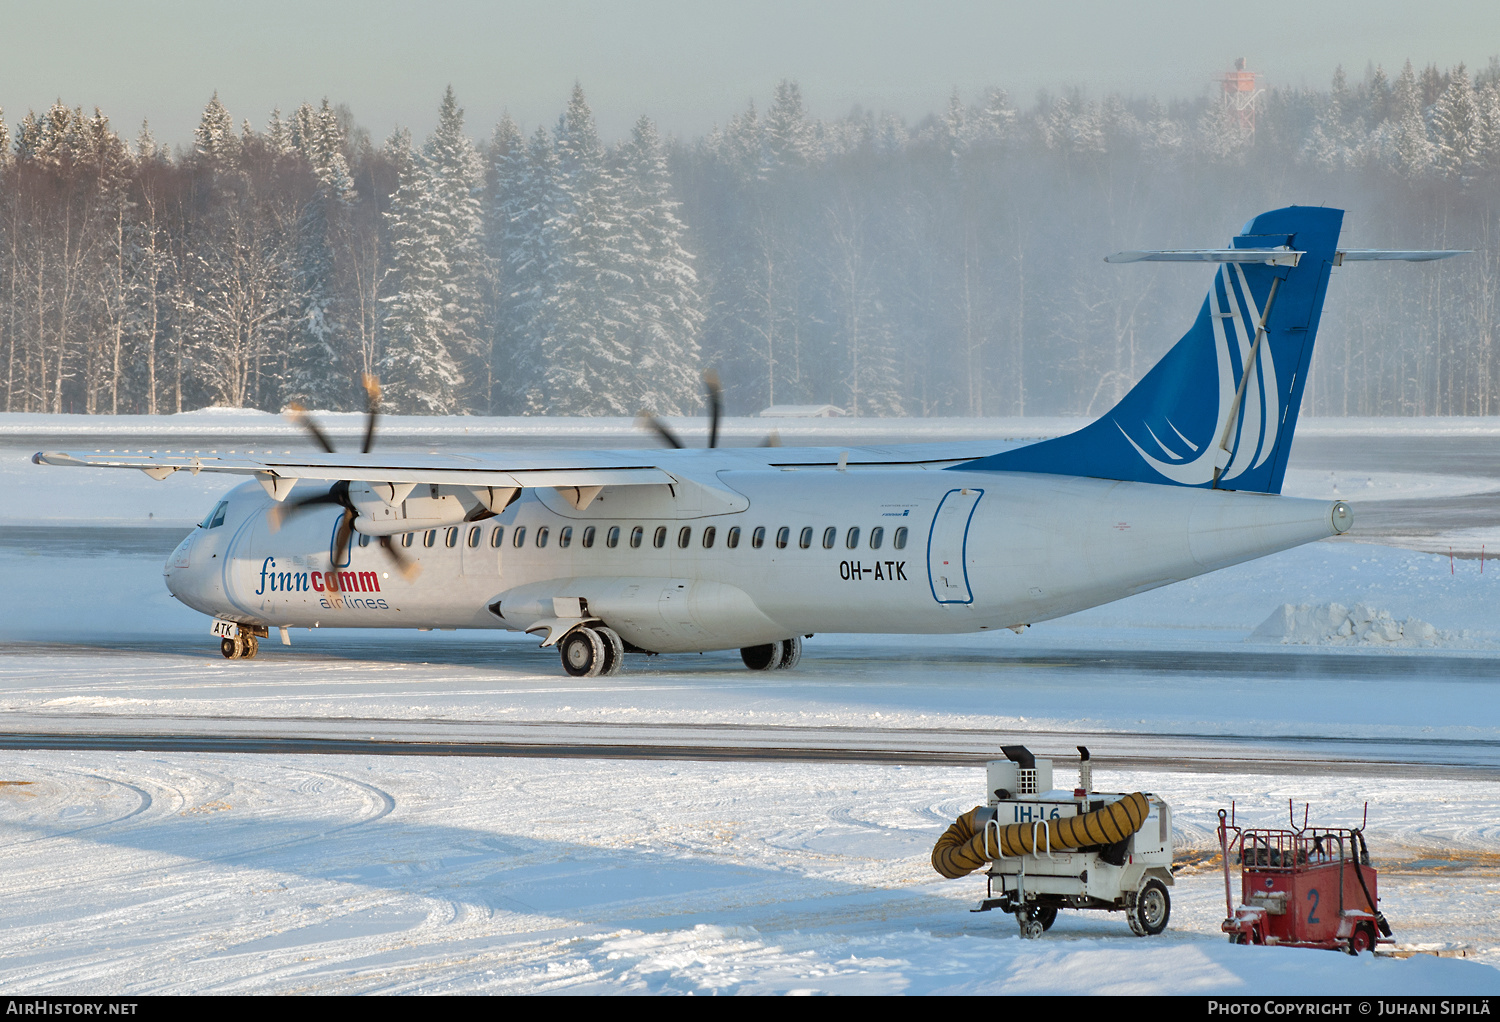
[{"x": 1302, "y": 887}]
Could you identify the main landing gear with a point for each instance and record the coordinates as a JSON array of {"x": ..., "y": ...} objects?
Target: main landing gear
[
  {"x": 241, "y": 647},
  {"x": 782, "y": 655},
  {"x": 592, "y": 651}
]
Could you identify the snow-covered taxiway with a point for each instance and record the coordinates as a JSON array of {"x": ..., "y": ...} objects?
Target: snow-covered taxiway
[{"x": 689, "y": 827}]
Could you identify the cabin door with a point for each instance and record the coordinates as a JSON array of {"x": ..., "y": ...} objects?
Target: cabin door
[{"x": 947, "y": 565}]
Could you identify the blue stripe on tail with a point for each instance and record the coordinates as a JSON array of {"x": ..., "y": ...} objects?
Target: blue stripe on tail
[{"x": 1170, "y": 427}]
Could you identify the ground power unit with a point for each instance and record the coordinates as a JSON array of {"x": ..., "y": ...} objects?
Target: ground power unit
[{"x": 1048, "y": 849}]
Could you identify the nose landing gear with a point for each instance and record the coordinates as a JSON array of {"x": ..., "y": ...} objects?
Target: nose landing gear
[{"x": 241, "y": 647}]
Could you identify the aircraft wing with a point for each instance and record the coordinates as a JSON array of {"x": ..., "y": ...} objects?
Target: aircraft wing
[
  {"x": 516, "y": 468},
  {"x": 513, "y": 470},
  {"x": 579, "y": 476}
]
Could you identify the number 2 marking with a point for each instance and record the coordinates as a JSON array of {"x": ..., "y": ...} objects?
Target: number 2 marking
[{"x": 1312, "y": 896}]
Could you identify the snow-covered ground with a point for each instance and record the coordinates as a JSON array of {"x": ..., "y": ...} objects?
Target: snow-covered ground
[{"x": 131, "y": 872}]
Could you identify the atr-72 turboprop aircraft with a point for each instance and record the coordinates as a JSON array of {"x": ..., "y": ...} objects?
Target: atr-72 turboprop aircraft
[{"x": 664, "y": 551}]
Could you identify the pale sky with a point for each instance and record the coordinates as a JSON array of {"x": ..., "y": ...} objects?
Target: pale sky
[{"x": 688, "y": 65}]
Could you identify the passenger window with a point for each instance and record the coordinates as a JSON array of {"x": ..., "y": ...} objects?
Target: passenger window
[
  {"x": 851, "y": 539},
  {"x": 733, "y": 539},
  {"x": 830, "y": 536},
  {"x": 708, "y": 537},
  {"x": 430, "y": 539},
  {"x": 635, "y": 536},
  {"x": 565, "y": 536},
  {"x": 684, "y": 537},
  {"x": 783, "y": 537},
  {"x": 474, "y": 535},
  {"x": 758, "y": 537},
  {"x": 518, "y": 537},
  {"x": 406, "y": 539},
  {"x": 612, "y": 537},
  {"x": 804, "y": 539},
  {"x": 450, "y": 539},
  {"x": 876, "y": 536},
  {"x": 899, "y": 539},
  {"x": 659, "y": 540},
  {"x": 588, "y": 537},
  {"x": 497, "y": 535},
  {"x": 541, "y": 536}
]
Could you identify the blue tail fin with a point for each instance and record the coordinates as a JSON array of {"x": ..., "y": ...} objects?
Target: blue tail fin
[{"x": 1194, "y": 419}]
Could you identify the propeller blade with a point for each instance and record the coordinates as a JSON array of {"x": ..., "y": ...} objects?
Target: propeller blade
[
  {"x": 298, "y": 415},
  {"x": 648, "y": 421},
  {"x": 408, "y": 568},
  {"x": 372, "y": 389},
  {"x": 715, "y": 405},
  {"x": 279, "y": 513}
]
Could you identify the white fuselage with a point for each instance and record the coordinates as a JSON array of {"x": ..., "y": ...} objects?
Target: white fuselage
[{"x": 911, "y": 549}]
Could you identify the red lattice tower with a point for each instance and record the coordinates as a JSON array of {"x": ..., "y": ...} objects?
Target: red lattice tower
[{"x": 1240, "y": 95}]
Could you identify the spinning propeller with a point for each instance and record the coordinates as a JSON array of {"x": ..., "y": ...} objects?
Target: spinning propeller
[
  {"x": 338, "y": 493},
  {"x": 715, "y": 414}
]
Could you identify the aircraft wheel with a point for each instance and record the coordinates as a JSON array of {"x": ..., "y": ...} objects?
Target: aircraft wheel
[
  {"x": 791, "y": 653},
  {"x": 763, "y": 658},
  {"x": 229, "y": 648},
  {"x": 249, "y": 646},
  {"x": 582, "y": 653},
  {"x": 614, "y": 651}
]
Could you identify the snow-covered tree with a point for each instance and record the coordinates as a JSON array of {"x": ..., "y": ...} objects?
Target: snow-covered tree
[
  {"x": 420, "y": 373},
  {"x": 214, "y": 139},
  {"x": 505, "y": 178},
  {"x": 434, "y": 334},
  {"x": 1457, "y": 129},
  {"x": 665, "y": 305},
  {"x": 1413, "y": 150},
  {"x": 790, "y": 137},
  {"x": 318, "y": 371},
  {"x": 527, "y": 210},
  {"x": 587, "y": 307}
]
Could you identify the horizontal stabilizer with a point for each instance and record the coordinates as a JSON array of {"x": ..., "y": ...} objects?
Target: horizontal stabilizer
[
  {"x": 1372, "y": 255},
  {"x": 1279, "y": 256}
]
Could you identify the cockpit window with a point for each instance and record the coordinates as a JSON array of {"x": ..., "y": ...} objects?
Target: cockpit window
[{"x": 215, "y": 518}]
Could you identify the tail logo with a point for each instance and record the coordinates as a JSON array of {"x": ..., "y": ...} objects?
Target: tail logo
[{"x": 1259, "y": 413}]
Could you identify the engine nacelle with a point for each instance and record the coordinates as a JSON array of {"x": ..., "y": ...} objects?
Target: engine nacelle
[{"x": 386, "y": 509}]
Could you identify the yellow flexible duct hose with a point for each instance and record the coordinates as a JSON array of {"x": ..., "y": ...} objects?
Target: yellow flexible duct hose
[{"x": 962, "y": 849}]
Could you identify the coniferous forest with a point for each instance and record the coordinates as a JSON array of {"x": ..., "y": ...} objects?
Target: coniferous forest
[{"x": 947, "y": 267}]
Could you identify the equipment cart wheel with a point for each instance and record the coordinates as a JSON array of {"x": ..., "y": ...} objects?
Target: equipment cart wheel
[
  {"x": 1044, "y": 914},
  {"x": 1152, "y": 908},
  {"x": 582, "y": 653},
  {"x": 1031, "y": 929},
  {"x": 1362, "y": 939}
]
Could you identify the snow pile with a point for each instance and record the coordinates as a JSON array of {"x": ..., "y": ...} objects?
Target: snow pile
[{"x": 1333, "y": 624}]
